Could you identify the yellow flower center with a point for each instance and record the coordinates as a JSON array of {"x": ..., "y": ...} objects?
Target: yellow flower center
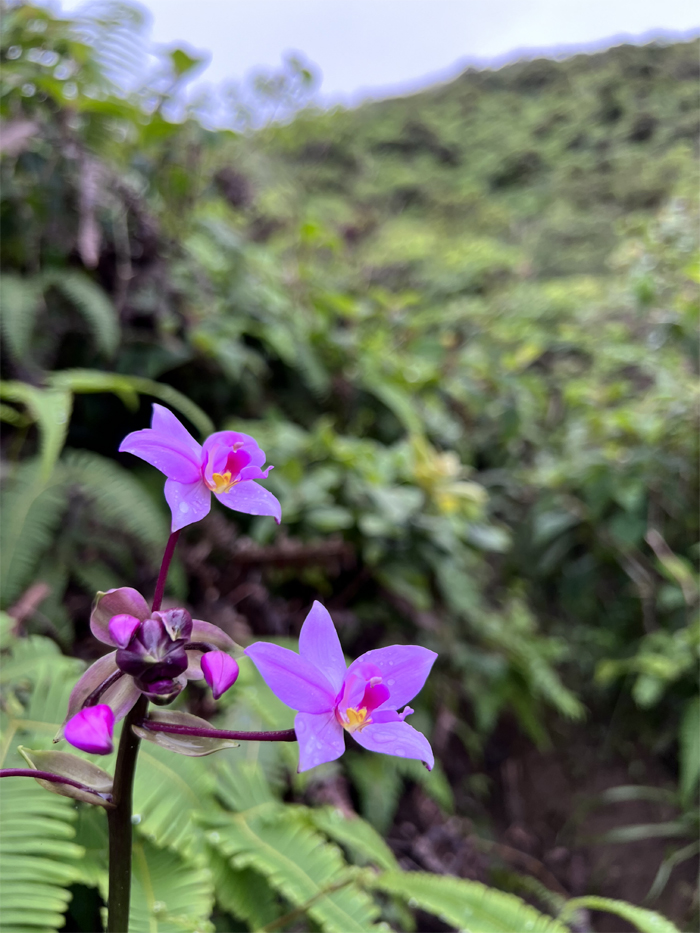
[
  {"x": 221, "y": 482},
  {"x": 356, "y": 719}
]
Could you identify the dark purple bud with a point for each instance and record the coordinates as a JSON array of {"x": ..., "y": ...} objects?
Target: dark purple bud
[
  {"x": 91, "y": 730},
  {"x": 220, "y": 671},
  {"x": 177, "y": 622},
  {"x": 152, "y": 655},
  {"x": 122, "y": 628}
]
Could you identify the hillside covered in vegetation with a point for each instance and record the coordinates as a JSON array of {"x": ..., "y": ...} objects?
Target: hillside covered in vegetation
[{"x": 463, "y": 325}]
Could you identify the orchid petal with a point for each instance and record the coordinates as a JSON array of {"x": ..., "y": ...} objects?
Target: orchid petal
[
  {"x": 396, "y": 738},
  {"x": 404, "y": 669},
  {"x": 252, "y": 499},
  {"x": 91, "y": 730},
  {"x": 123, "y": 601},
  {"x": 229, "y": 439},
  {"x": 189, "y": 502},
  {"x": 165, "y": 423},
  {"x": 293, "y": 680},
  {"x": 165, "y": 453},
  {"x": 220, "y": 672},
  {"x": 320, "y": 737},
  {"x": 390, "y": 715},
  {"x": 319, "y": 645}
]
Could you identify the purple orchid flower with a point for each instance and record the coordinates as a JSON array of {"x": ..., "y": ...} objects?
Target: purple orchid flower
[
  {"x": 227, "y": 464},
  {"x": 363, "y": 699},
  {"x": 156, "y": 654}
]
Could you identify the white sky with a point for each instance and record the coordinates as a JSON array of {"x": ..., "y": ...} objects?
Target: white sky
[{"x": 381, "y": 47}]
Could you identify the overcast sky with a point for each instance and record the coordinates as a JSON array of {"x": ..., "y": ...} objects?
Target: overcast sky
[{"x": 379, "y": 47}]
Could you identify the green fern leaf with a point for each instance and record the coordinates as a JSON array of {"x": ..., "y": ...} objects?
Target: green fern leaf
[
  {"x": 18, "y": 308},
  {"x": 36, "y": 857},
  {"x": 354, "y": 834},
  {"x": 118, "y": 499},
  {"x": 168, "y": 895},
  {"x": 92, "y": 303},
  {"x": 467, "y": 905},
  {"x": 648, "y": 921},
  {"x": 30, "y": 513},
  {"x": 168, "y": 790},
  {"x": 297, "y": 862},
  {"x": 51, "y": 410},
  {"x": 128, "y": 388},
  {"x": 244, "y": 892}
]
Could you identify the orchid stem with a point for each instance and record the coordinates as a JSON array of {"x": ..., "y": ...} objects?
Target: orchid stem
[
  {"x": 120, "y": 826},
  {"x": 119, "y": 818},
  {"x": 164, "y": 567},
  {"x": 284, "y": 735}
]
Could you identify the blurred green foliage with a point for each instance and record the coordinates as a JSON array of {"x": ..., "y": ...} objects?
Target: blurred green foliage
[{"x": 462, "y": 325}]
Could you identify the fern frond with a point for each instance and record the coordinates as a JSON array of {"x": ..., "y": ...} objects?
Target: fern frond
[
  {"x": 297, "y": 862},
  {"x": 19, "y": 303},
  {"x": 118, "y": 499},
  {"x": 37, "y": 857},
  {"x": 168, "y": 895},
  {"x": 30, "y": 512},
  {"x": 92, "y": 303},
  {"x": 648, "y": 921},
  {"x": 467, "y": 905},
  {"x": 354, "y": 834},
  {"x": 244, "y": 892},
  {"x": 51, "y": 410}
]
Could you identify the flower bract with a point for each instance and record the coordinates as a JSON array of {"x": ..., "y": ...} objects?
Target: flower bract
[
  {"x": 227, "y": 464},
  {"x": 362, "y": 699},
  {"x": 220, "y": 672}
]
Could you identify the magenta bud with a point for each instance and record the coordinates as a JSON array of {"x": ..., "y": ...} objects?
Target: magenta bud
[
  {"x": 220, "y": 671},
  {"x": 91, "y": 729},
  {"x": 122, "y": 628}
]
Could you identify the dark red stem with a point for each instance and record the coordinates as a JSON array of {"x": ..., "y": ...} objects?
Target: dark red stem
[
  {"x": 164, "y": 567},
  {"x": 50, "y": 776},
  {"x": 105, "y": 685},
  {"x": 284, "y": 735}
]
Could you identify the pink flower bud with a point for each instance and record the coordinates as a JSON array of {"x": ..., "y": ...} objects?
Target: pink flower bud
[
  {"x": 122, "y": 627},
  {"x": 220, "y": 671},
  {"x": 91, "y": 729}
]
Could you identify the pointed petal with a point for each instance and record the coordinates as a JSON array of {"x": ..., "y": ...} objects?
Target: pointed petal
[
  {"x": 165, "y": 453},
  {"x": 123, "y": 601},
  {"x": 396, "y": 738},
  {"x": 252, "y": 499},
  {"x": 164, "y": 422},
  {"x": 294, "y": 681},
  {"x": 189, "y": 502},
  {"x": 404, "y": 670},
  {"x": 320, "y": 737},
  {"x": 319, "y": 645}
]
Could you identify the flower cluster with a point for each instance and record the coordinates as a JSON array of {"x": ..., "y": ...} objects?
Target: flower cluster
[{"x": 156, "y": 652}]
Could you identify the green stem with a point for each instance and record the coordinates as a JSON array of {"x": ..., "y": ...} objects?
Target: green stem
[{"x": 120, "y": 826}]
